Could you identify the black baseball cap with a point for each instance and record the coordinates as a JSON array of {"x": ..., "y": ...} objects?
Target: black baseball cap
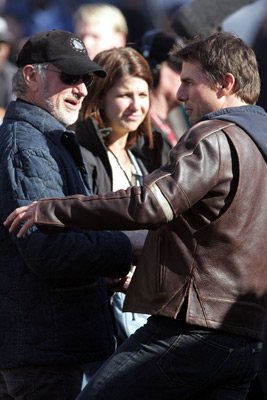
[{"x": 63, "y": 49}]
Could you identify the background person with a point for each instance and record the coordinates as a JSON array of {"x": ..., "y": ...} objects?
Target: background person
[
  {"x": 203, "y": 266},
  {"x": 7, "y": 68},
  {"x": 101, "y": 26},
  {"x": 55, "y": 313},
  {"x": 167, "y": 113}
]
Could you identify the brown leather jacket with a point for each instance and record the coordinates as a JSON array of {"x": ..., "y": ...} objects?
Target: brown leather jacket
[{"x": 207, "y": 212}]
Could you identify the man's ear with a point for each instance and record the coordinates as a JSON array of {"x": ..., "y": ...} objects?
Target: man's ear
[
  {"x": 228, "y": 83},
  {"x": 30, "y": 76}
]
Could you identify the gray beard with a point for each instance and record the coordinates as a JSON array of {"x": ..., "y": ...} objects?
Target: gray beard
[{"x": 64, "y": 117}]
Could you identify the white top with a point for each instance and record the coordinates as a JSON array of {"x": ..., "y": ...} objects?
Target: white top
[{"x": 122, "y": 178}]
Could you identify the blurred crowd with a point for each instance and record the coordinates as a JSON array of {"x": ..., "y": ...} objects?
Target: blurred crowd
[{"x": 19, "y": 20}]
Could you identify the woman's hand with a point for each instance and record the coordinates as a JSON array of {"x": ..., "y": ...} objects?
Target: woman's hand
[{"x": 25, "y": 213}]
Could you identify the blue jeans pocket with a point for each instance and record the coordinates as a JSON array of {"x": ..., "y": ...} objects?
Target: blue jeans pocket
[{"x": 193, "y": 359}]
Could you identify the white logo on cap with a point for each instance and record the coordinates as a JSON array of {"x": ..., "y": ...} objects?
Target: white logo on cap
[{"x": 77, "y": 45}]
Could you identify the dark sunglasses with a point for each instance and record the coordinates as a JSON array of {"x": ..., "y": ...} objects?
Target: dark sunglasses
[{"x": 71, "y": 80}]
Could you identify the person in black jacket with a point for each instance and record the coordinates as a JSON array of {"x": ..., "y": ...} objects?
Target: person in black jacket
[
  {"x": 167, "y": 113},
  {"x": 114, "y": 128},
  {"x": 117, "y": 142}
]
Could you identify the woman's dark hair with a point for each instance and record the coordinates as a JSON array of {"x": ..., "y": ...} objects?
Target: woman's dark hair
[{"x": 118, "y": 63}]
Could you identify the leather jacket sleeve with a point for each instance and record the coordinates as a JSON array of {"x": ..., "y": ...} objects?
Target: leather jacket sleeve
[{"x": 198, "y": 165}]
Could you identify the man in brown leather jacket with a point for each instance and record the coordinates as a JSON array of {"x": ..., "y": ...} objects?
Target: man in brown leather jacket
[{"x": 202, "y": 274}]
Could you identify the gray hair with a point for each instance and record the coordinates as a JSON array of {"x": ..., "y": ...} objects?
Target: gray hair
[{"x": 19, "y": 86}]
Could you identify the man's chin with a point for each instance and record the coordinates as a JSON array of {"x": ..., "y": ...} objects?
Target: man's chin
[{"x": 68, "y": 118}]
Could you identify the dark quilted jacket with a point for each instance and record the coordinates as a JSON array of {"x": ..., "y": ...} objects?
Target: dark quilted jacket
[{"x": 53, "y": 308}]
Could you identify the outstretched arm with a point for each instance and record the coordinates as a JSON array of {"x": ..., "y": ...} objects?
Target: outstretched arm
[
  {"x": 25, "y": 213},
  {"x": 165, "y": 194}
]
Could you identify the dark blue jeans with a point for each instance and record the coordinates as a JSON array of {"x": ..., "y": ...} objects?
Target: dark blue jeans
[
  {"x": 62, "y": 382},
  {"x": 164, "y": 360}
]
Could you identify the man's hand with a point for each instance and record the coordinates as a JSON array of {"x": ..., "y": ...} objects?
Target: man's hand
[
  {"x": 25, "y": 213},
  {"x": 120, "y": 284}
]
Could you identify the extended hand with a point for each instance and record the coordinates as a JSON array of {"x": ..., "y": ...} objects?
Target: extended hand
[
  {"x": 25, "y": 213},
  {"x": 120, "y": 284}
]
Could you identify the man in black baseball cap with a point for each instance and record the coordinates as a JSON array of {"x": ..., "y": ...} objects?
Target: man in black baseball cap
[
  {"x": 54, "y": 311},
  {"x": 61, "y": 61}
]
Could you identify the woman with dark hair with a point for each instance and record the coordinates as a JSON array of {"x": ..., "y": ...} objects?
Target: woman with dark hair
[
  {"x": 118, "y": 144},
  {"x": 114, "y": 128}
]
